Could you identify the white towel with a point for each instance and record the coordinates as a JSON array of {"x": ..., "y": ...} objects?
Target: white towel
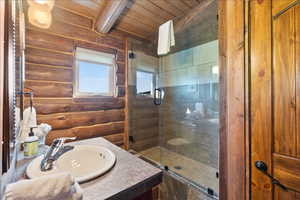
[
  {"x": 166, "y": 38},
  {"x": 60, "y": 186},
  {"x": 29, "y": 120}
]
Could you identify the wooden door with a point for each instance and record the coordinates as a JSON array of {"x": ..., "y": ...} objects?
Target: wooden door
[
  {"x": 276, "y": 132},
  {"x": 286, "y": 102}
]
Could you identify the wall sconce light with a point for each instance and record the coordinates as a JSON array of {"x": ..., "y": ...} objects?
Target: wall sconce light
[
  {"x": 45, "y": 4},
  {"x": 39, "y": 17},
  {"x": 39, "y": 13}
]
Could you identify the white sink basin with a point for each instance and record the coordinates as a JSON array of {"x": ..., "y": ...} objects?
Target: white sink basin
[{"x": 84, "y": 162}]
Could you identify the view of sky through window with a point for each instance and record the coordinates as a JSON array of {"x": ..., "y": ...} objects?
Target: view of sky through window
[{"x": 93, "y": 77}]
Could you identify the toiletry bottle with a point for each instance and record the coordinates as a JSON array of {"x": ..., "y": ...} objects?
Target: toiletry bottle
[{"x": 31, "y": 145}]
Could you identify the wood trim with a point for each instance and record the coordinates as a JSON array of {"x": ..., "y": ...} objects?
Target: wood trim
[
  {"x": 126, "y": 126},
  {"x": 232, "y": 109},
  {"x": 260, "y": 90},
  {"x": 297, "y": 64},
  {"x": 280, "y": 6},
  {"x": 2, "y": 41},
  {"x": 247, "y": 102}
]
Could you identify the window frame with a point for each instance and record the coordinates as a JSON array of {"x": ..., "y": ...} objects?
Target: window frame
[
  {"x": 153, "y": 82},
  {"x": 76, "y": 79}
]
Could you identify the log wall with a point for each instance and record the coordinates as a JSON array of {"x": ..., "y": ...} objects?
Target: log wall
[{"x": 49, "y": 74}]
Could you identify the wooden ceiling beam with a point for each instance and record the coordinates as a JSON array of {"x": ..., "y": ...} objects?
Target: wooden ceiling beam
[{"x": 112, "y": 11}]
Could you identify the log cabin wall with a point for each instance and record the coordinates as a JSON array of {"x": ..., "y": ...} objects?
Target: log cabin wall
[{"x": 49, "y": 74}]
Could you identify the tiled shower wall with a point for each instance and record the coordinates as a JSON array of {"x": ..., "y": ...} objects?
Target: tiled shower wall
[
  {"x": 189, "y": 114},
  {"x": 190, "y": 66}
]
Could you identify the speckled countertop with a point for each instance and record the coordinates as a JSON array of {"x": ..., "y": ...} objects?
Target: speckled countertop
[{"x": 129, "y": 178}]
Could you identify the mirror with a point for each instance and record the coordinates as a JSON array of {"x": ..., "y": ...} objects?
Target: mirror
[{"x": 13, "y": 89}]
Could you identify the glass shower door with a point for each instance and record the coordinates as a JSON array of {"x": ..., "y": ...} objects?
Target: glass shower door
[{"x": 189, "y": 114}]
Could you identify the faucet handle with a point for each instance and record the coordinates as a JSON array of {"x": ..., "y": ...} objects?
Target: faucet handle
[{"x": 63, "y": 139}]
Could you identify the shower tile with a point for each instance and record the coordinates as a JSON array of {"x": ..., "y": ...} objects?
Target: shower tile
[{"x": 206, "y": 53}]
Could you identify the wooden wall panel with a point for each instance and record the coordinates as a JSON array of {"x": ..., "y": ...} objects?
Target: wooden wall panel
[
  {"x": 48, "y": 41},
  {"x": 60, "y": 105},
  {"x": 68, "y": 120},
  {"x": 85, "y": 132},
  {"x": 72, "y": 18},
  {"x": 71, "y": 31},
  {"x": 42, "y": 56},
  {"x": 49, "y": 88},
  {"x": 49, "y": 74}
]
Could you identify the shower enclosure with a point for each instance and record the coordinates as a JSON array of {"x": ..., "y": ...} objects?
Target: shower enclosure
[{"x": 174, "y": 102}]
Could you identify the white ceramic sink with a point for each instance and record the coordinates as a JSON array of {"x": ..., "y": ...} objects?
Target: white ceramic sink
[{"x": 84, "y": 162}]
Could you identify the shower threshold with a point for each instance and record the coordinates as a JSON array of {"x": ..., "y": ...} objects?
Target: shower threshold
[{"x": 193, "y": 173}]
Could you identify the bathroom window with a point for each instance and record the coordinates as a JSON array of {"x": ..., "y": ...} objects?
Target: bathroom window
[
  {"x": 145, "y": 83},
  {"x": 94, "y": 73}
]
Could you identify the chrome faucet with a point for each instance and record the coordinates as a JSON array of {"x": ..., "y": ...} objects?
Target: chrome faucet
[{"x": 54, "y": 152}]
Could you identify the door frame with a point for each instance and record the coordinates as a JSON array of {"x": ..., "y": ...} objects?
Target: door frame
[
  {"x": 3, "y": 5},
  {"x": 234, "y": 134}
]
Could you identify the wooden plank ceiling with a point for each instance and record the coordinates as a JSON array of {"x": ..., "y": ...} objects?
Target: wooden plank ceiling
[{"x": 140, "y": 17}]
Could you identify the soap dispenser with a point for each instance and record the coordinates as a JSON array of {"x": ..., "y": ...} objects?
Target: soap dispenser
[{"x": 31, "y": 144}]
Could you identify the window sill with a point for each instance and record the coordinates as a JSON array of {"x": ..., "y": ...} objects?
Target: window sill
[{"x": 94, "y": 98}]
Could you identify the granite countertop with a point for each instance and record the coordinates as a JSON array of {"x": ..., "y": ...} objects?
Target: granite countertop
[{"x": 129, "y": 178}]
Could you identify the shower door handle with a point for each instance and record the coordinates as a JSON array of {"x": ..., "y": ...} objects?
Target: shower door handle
[
  {"x": 157, "y": 96},
  {"x": 262, "y": 166}
]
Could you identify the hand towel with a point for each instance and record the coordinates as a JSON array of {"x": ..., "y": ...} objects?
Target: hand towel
[
  {"x": 29, "y": 120},
  {"x": 166, "y": 38},
  {"x": 60, "y": 186}
]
